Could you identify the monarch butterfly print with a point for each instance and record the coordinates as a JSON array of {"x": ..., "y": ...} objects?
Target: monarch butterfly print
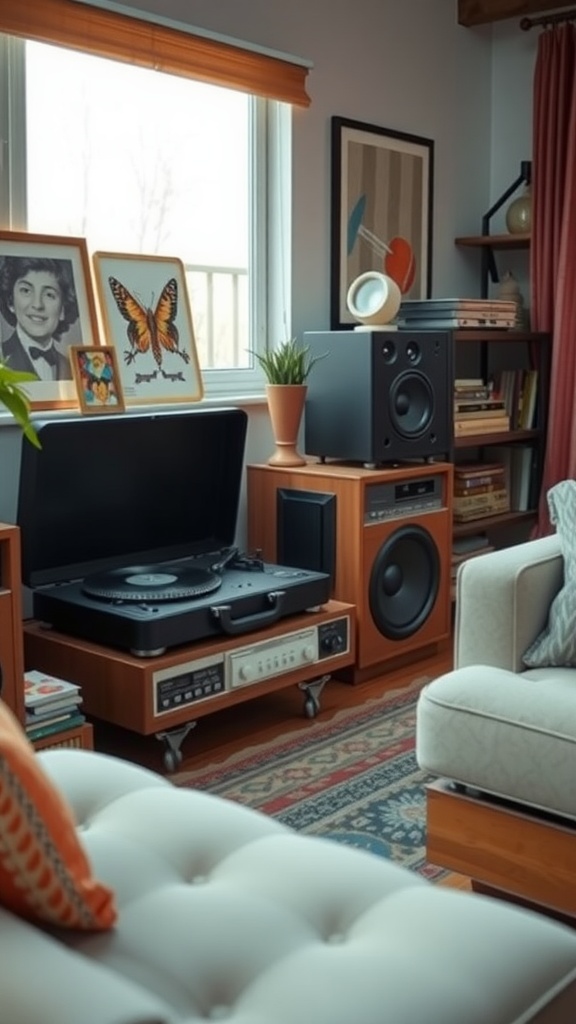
[{"x": 150, "y": 330}]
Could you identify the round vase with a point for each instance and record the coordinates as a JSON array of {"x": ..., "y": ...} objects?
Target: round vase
[
  {"x": 286, "y": 405},
  {"x": 519, "y": 213}
]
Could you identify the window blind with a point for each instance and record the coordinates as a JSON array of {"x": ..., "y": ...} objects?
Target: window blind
[{"x": 107, "y": 33}]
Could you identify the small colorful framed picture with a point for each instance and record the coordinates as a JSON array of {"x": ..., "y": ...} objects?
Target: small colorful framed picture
[{"x": 97, "y": 378}]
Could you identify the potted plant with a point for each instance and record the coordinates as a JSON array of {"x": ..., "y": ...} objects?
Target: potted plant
[
  {"x": 13, "y": 396},
  {"x": 287, "y": 369}
]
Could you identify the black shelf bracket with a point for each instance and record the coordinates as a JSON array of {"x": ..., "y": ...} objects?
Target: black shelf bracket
[{"x": 489, "y": 268}]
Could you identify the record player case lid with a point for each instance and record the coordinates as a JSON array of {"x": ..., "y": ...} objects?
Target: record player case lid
[{"x": 111, "y": 491}]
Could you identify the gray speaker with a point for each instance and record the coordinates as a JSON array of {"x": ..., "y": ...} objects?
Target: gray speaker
[{"x": 380, "y": 396}]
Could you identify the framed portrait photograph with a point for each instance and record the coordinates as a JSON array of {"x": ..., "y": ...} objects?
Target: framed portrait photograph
[
  {"x": 147, "y": 318},
  {"x": 381, "y": 211},
  {"x": 97, "y": 379},
  {"x": 47, "y": 305}
]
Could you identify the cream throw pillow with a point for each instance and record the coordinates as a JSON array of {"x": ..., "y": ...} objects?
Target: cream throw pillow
[{"x": 556, "y": 644}]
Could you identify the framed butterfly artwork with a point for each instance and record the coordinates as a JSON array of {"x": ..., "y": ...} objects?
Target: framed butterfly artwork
[{"x": 147, "y": 318}]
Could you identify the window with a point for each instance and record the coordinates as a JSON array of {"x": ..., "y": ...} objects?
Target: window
[{"x": 138, "y": 161}]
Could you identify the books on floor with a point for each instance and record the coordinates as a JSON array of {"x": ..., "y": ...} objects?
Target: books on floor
[{"x": 51, "y": 704}]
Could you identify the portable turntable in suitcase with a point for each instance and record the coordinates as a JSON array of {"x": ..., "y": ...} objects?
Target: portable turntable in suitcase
[{"x": 127, "y": 529}]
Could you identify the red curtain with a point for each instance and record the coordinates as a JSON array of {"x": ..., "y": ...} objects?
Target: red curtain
[{"x": 553, "y": 245}]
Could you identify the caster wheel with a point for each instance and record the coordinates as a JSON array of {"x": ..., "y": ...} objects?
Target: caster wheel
[
  {"x": 172, "y": 760},
  {"x": 311, "y": 707}
]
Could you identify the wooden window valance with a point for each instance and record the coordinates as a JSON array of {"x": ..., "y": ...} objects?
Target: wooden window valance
[{"x": 132, "y": 40}]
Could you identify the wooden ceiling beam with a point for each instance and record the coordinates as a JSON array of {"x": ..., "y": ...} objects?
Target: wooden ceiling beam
[{"x": 482, "y": 12}]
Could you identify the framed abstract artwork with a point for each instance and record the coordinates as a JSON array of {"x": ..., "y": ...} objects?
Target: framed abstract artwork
[
  {"x": 47, "y": 305},
  {"x": 97, "y": 378},
  {"x": 381, "y": 216},
  {"x": 147, "y": 318}
]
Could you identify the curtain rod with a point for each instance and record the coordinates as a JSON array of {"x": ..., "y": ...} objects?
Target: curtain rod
[{"x": 548, "y": 19}]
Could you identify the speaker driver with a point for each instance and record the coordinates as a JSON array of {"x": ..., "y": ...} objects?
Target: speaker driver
[
  {"x": 404, "y": 582},
  {"x": 411, "y": 404}
]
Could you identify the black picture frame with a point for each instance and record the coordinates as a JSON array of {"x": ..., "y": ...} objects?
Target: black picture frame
[{"x": 382, "y": 185}]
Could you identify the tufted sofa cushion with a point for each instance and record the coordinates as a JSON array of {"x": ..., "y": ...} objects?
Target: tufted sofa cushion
[{"x": 226, "y": 914}]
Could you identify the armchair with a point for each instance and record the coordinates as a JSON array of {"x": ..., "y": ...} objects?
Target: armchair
[{"x": 500, "y": 738}]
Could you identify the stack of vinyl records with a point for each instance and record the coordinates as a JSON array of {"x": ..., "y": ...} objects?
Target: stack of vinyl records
[{"x": 456, "y": 314}]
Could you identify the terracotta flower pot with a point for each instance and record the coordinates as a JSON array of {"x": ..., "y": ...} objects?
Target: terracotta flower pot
[{"x": 286, "y": 405}]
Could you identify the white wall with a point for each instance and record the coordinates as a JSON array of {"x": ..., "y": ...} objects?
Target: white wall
[{"x": 400, "y": 64}]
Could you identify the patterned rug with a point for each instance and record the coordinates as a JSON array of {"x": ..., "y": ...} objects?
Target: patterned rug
[{"x": 353, "y": 779}]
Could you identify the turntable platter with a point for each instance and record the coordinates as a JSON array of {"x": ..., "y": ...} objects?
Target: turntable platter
[{"x": 151, "y": 583}]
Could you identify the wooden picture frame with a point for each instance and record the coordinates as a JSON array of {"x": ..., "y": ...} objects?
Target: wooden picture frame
[
  {"x": 98, "y": 383},
  {"x": 381, "y": 213},
  {"x": 147, "y": 318},
  {"x": 47, "y": 304}
]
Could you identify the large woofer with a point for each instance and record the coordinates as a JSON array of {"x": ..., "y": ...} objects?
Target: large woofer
[
  {"x": 411, "y": 400},
  {"x": 404, "y": 582}
]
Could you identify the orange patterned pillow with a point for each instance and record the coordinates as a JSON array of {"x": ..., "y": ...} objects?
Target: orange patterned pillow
[{"x": 45, "y": 874}]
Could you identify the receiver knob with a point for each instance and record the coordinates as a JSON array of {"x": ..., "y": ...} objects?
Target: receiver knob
[
  {"x": 246, "y": 671},
  {"x": 308, "y": 653}
]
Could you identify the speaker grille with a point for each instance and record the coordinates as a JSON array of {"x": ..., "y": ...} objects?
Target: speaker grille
[
  {"x": 411, "y": 404},
  {"x": 404, "y": 582}
]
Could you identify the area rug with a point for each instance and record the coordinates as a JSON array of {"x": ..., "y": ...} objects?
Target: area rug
[{"x": 353, "y": 779}]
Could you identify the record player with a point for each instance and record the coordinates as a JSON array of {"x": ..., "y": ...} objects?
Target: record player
[{"x": 127, "y": 532}]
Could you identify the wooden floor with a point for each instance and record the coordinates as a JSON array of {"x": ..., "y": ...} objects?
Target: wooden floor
[{"x": 216, "y": 737}]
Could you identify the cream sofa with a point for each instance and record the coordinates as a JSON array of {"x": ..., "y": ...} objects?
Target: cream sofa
[
  {"x": 501, "y": 738},
  {"x": 225, "y": 914}
]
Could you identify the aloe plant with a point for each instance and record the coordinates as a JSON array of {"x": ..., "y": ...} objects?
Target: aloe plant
[
  {"x": 13, "y": 396},
  {"x": 290, "y": 363}
]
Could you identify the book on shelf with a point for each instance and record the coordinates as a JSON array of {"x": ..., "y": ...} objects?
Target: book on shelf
[
  {"x": 474, "y": 542},
  {"x": 518, "y": 389},
  {"x": 44, "y": 711},
  {"x": 455, "y": 323},
  {"x": 42, "y": 688},
  {"x": 468, "y": 516},
  {"x": 472, "y": 501},
  {"x": 473, "y": 394},
  {"x": 477, "y": 425},
  {"x": 469, "y": 382},
  {"x": 519, "y": 462},
  {"x": 467, "y": 485},
  {"x": 51, "y": 728},
  {"x": 478, "y": 410},
  {"x": 458, "y": 306},
  {"x": 470, "y": 470},
  {"x": 496, "y": 484}
]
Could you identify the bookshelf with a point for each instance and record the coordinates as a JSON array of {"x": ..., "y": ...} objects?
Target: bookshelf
[{"x": 489, "y": 352}]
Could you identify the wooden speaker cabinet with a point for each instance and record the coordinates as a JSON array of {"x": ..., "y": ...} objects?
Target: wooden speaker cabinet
[
  {"x": 11, "y": 642},
  {"x": 386, "y": 537}
]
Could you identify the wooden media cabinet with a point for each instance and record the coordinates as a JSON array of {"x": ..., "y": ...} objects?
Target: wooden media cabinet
[{"x": 165, "y": 695}]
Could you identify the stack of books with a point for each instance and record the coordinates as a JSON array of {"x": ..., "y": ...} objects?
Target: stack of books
[
  {"x": 518, "y": 389},
  {"x": 448, "y": 314},
  {"x": 478, "y": 409},
  {"x": 464, "y": 548},
  {"x": 51, "y": 705},
  {"x": 479, "y": 490}
]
